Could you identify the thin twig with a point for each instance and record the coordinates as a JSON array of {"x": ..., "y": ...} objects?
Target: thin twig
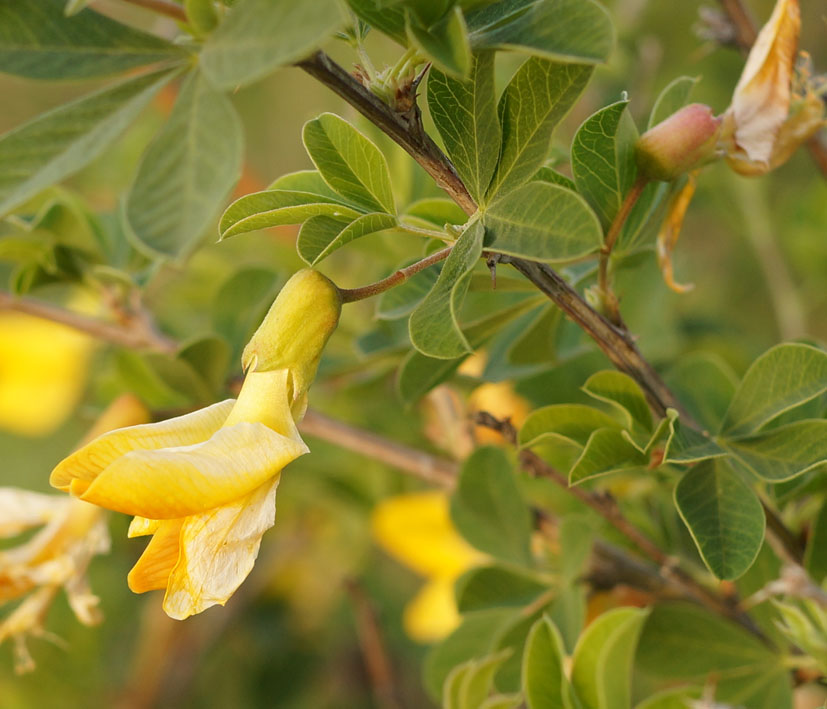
[
  {"x": 745, "y": 36},
  {"x": 162, "y": 7},
  {"x": 351, "y": 295},
  {"x": 137, "y": 333},
  {"x": 606, "y": 506}
]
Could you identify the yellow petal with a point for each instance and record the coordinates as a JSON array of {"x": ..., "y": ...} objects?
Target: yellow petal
[
  {"x": 218, "y": 551},
  {"x": 152, "y": 570},
  {"x": 187, "y": 480},
  {"x": 87, "y": 462},
  {"x": 500, "y": 399},
  {"x": 22, "y": 509},
  {"x": 141, "y": 526},
  {"x": 671, "y": 230},
  {"x": 266, "y": 397},
  {"x": 416, "y": 529},
  {"x": 761, "y": 100},
  {"x": 432, "y": 613}
]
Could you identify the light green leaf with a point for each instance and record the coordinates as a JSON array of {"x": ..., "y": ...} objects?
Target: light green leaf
[
  {"x": 60, "y": 142},
  {"x": 679, "y": 698},
  {"x": 781, "y": 378},
  {"x": 603, "y": 159},
  {"x": 489, "y": 587},
  {"x": 465, "y": 114},
  {"x": 622, "y": 392},
  {"x": 724, "y": 517},
  {"x": 445, "y": 42},
  {"x": 436, "y": 211},
  {"x": 477, "y": 684},
  {"x": 261, "y": 210},
  {"x": 385, "y": 17},
  {"x": 704, "y": 384},
  {"x": 503, "y": 701},
  {"x": 186, "y": 171},
  {"x": 543, "y": 222},
  {"x": 488, "y": 510},
  {"x": 607, "y": 451},
  {"x": 548, "y": 174},
  {"x": 452, "y": 690},
  {"x": 536, "y": 343},
  {"x": 201, "y": 15},
  {"x": 601, "y": 671},
  {"x": 38, "y": 41},
  {"x": 785, "y": 452},
  {"x": 545, "y": 683},
  {"x": 352, "y": 165},
  {"x": 673, "y": 97},
  {"x": 305, "y": 181},
  {"x": 401, "y": 301},
  {"x": 73, "y": 7},
  {"x": 259, "y": 36},
  {"x": 565, "y": 30},
  {"x": 434, "y": 325},
  {"x": 536, "y": 99},
  {"x": 210, "y": 357},
  {"x": 686, "y": 445},
  {"x": 575, "y": 422},
  {"x": 314, "y": 245}
]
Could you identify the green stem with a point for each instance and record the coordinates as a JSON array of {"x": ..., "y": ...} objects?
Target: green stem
[{"x": 427, "y": 233}]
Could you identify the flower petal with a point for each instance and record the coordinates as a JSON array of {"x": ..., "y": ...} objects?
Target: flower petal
[
  {"x": 218, "y": 551},
  {"x": 22, "y": 509},
  {"x": 152, "y": 570},
  {"x": 141, "y": 526},
  {"x": 432, "y": 613},
  {"x": 88, "y": 462},
  {"x": 187, "y": 480}
]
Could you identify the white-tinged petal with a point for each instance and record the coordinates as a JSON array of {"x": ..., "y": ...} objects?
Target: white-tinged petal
[
  {"x": 218, "y": 551},
  {"x": 88, "y": 462},
  {"x": 22, "y": 509},
  {"x": 142, "y": 526},
  {"x": 187, "y": 480}
]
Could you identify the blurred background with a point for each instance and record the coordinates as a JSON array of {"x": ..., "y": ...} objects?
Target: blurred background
[{"x": 294, "y": 635}]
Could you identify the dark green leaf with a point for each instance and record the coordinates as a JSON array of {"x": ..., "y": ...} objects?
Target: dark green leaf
[
  {"x": 622, "y": 392},
  {"x": 815, "y": 558},
  {"x": 400, "y": 302},
  {"x": 686, "y": 445},
  {"x": 445, "y": 42},
  {"x": 574, "y": 422},
  {"x": 314, "y": 245},
  {"x": 384, "y": 17},
  {"x": 186, "y": 172},
  {"x": 704, "y": 384},
  {"x": 436, "y": 211},
  {"x": 548, "y": 174},
  {"x": 724, "y": 517},
  {"x": 497, "y": 587},
  {"x": 607, "y": 451}
]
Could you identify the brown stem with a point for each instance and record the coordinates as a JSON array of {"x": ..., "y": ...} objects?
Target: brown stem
[
  {"x": 745, "y": 36},
  {"x": 162, "y": 7},
  {"x": 351, "y": 295},
  {"x": 606, "y": 506},
  {"x": 609, "y": 298},
  {"x": 135, "y": 334}
]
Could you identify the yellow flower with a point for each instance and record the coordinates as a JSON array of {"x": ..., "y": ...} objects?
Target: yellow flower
[
  {"x": 204, "y": 484},
  {"x": 774, "y": 110},
  {"x": 42, "y": 373},
  {"x": 499, "y": 399},
  {"x": 59, "y": 554},
  {"x": 416, "y": 530}
]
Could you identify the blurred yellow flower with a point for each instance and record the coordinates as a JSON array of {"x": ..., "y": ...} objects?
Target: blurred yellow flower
[
  {"x": 416, "y": 530},
  {"x": 773, "y": 110},
  {"x": 43, "y": 369},
  {"x": 500, "y": 400},
  {"x": 57, "y": 555},
  {"x": 204, "y": 484}
]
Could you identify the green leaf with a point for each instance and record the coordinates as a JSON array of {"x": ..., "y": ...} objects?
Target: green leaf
[
  {"x": 705, "y": 385},
  {"x": 445, "y": 42},
  {"x": 436, "y": 211},
  {"x": 210, "y": 357},
  {"x": 352, "y": 165},
  {"x": 679, "y": 698},
  {"x": 785, "y": 452},
  {"x": 607, "y": 451},
  {"x": 201, "y": 15},
  {"x": 489, "y": 587},
  {"x": 564, "y": 30},
  {"x": 683, "y": 642},
  {"x": 276, "y": 207},
  {"x": 434, "y": 325},
  {"x": 815, "y": 557},
  {"x": 383, "y": 16},
  {"x": 38, "y": 41},
  {"x": 186, "y": 172},
  {"x": 574, "y": 422},
  {"x": 473, "y": 638},
  {"x": 477, "y": 683},
  {"x": 536, "y": 99},
  {"x": 259, "y": 36},
  {"x": 603, "y": 159},
  {"x": 622, "y": 392},
  {"x": 401, "y": 301},
  {"x": 536, "y": 343},
  {"x": 452, "y": 690},
  {"x": 465, "y": 114},
  {"x": 601, "y": 671},
  {"x": 724, "y": 517},
  {"x": 503, "y": 701},
  {"x": 673, "y": 97},
  {"x": 314, "y": 245},
  {"x": 488, "y": 510},
  {"x": 60, "y": 142},
  {"x": 686, "y": 445},
  {"x": 543, "y": 222},
  {"x": 783, "y": 377},
  {"x": 548, "y": 174},
  {"x": 545, "y": 683}
]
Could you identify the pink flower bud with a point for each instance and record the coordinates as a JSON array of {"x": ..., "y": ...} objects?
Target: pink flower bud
[{"x": 682, "y": 142}]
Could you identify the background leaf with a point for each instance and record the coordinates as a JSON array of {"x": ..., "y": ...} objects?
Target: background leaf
[
  {"x": 445, "y": 42},
  {"x": 545, "y": 683},
  {"x": 186, "y": 172},
  {"x": 673, "y": 97}
]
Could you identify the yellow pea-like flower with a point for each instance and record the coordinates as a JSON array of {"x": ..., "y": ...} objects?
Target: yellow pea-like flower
[
  {"x": 204, "y": 484},
  {"x": 416, "y": 530}
]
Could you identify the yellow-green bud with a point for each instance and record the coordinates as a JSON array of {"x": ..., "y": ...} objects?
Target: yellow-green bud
[
  {"x": 685, "y": 140},
  {"x": 295, "y": 329}
]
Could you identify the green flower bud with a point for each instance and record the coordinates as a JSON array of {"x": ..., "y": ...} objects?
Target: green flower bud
[{"x": 685, "y": 140}]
